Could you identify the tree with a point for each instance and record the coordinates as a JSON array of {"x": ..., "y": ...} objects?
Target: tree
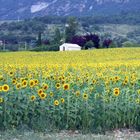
[
  {"x": 39, "y": 41},
  {"x": 91, "y": 40},
  {"x": 79, "y": 40},
  {"x": 57, "y": 36},
  {"x": 71, "y": 28},
  {"x": 94, "y": 38},
  {"x": 107, "y": 43},
  {"x": 89, "y": 44}
]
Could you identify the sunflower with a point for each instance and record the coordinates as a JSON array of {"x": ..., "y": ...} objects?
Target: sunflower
[
  {"x": 137, "y": 101},
  {"x": 51, "y": 94},
  {"x": 110, "y": 78},
  {"x": 11, "y": 73},
  {"x": 5, "y": 88},
  {"x": 138, "y": 91},
  {"x": 62, "y": 100},
  {"x": 0, "y": 88},
  {"x": 63, "y": 81},
  {"x": 24, "y": 83},
  {"x": 77, "y": 79},
  {"x": 56, "y": 102},
  {"x": 132, "y": 83},
  {"x": 116, "y": 78},
  {"x": 14, "y": 81},
  {"x": 33, "y": 98},
  {"x": 40, "y": 91},
  {"x": 126, "y": 81},
  {"x": 116, "y": 91},
  {"x": 43, "y": 95},
  {"x": 22, "y": 79},
  {"x": 93, "y": 81},
  {"x": 58, "y": 85},
  {"x": 36, "y": 82},
  {"x": 45, "y": 87},
  {"x": 1, "y": 100},
  {"x": 77, "y": 93},
  {"x": 60, "y": 78},
  {"x": 66, "y": 87},
  {"x": 18, "y": 85},
  {"x": 1, "y": 77},
  {"x": 85, "y": 96},
  {"x": 32, "y": 83}
]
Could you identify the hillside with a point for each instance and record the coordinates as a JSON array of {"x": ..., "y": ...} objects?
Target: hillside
[{"x": 15, "y": 9}]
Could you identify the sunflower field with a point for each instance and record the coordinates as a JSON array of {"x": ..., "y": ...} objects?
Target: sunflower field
[{"x": 90, "y": 91}]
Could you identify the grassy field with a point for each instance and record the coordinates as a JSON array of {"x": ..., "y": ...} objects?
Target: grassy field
[{"x": 90, "y": 91}]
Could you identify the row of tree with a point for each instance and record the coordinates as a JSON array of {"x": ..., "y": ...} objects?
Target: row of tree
[
  {"x": 70, "y": 36},
  {"x": 35, "y": 39}
]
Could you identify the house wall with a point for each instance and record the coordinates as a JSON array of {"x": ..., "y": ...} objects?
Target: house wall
[
  {"x": 69, "y": 48},
  {"x": 74, "y": 49}
]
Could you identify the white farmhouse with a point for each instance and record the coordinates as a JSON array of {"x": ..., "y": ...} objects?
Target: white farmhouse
[{"x": 69, "y": 47}]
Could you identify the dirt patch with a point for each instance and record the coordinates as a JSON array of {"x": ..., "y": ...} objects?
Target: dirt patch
[{"x": 123, "y": 134}]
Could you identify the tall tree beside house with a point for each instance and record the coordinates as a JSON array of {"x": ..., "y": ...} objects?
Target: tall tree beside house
[
  {"x": 39, "y": 41},
  {"x": 71, "y": 29}
]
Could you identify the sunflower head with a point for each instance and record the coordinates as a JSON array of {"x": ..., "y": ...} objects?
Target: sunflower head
[
  {"x": 43, "y": 96},
  {"x": 36, "y": 82},
  {"x": 33, "y": 98},
  {"x": 51, "y": 94},
  {"x": 45, "y": 87},
  {"x": 0, "y": 88},
  {"x": 11, "y": 73},
  {"x": 93, "y": 81},
  {"x": 5, "y": 88},
  {"x": 77, "y": 93},
  {"x": 32, "y": 83},
  {"x": 24, "y": 83},
  {"x": 138, "y": 91},
  {"x": 62, "y": 100},
  {"x": 116, "y": 78},
  {"x": 56, "y": 102},
  {"x": 40, "y": 91},
  {"x": 85, "y": 96},
  {"x": 116, "y": 91},
  {"x": 58, "y": 85},
  {"x": 66, "y": 87},
  {"x": 137, "y": 101},
  {"x": 18, "y": 86},
  {"x": 14, "y": 81}
]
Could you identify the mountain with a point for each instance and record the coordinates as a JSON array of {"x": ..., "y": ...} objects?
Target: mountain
[{"x": 21, "y": 9}]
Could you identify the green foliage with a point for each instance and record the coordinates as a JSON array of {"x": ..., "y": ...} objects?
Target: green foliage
[
  {"x": 71, "y": 28},
  {"x": 100, "y": 112},
  {"x": 97, "y": 74},
  {"x": 52, "y": 47},
  {"x": 113, "y": 45},
  {"x": 89, "y": 44},
  {"x": 53, "y": 29},
  {"x": 57, "y": 36},
  {"x": 39, "y": 41},
  {"x": 130, "y": 44}
]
